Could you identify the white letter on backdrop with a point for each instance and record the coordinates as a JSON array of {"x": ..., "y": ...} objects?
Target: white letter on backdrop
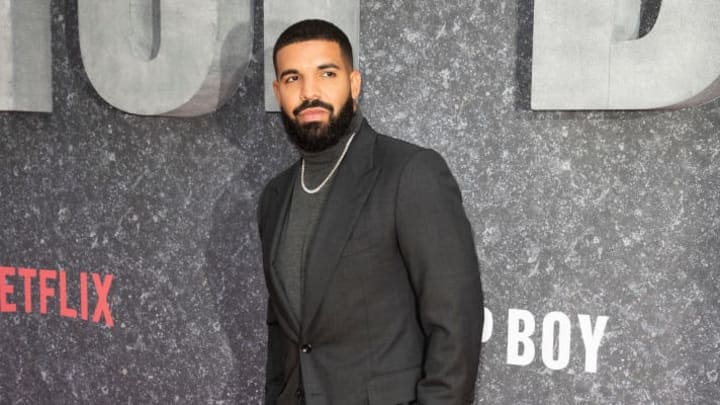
[
  {"x": 591, "y": 339},
  {"x": 165, "y": 57},
  {"x": 563, "y": 341},
  {"x": 587, "y": 55},
  {"x": 25, "y": 56},
  {"x": 519, "y": 340}
]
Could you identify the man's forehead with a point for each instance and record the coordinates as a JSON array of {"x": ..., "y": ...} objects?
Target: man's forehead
[{"x": 312, "y": 52}]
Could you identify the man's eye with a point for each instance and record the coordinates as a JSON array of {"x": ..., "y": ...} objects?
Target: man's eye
[
  {"x": 291, "y": 79},
  {"x": 329, "y": 74}
]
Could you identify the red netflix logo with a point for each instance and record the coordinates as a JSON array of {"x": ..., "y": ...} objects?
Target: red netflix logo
[{"x": 9, "y": 298}]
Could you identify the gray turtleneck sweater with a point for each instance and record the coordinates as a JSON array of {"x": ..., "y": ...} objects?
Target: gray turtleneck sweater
[{"x": 304, "y": 214}]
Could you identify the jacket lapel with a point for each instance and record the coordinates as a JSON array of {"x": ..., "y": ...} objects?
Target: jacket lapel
[
  {"x": 278, "y": 206},
  {"x": 349, "y": 191}
]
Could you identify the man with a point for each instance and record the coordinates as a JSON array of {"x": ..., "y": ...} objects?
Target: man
[{"x": 374, "y": 289}]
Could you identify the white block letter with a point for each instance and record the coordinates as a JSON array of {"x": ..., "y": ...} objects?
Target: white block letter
[
  {"x": 25, "y": 56},
  {"x": 586, "y": 55},
  {"x": 563, "y": 340},
  {"x": 591, "y": 339},
  {"x": 520, "y": 337},
  {"x": 165, "y": 57}
]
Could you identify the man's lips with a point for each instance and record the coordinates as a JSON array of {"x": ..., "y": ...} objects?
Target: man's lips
[{"x": 313, "y": 114}]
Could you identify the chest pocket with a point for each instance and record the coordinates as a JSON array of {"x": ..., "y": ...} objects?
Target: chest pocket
[
  {"x": 373, "y": 232},
  {"x": 364, "y": 241}
]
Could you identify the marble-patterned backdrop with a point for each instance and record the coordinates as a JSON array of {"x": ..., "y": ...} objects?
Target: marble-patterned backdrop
[{"x": 611, "y": 214}]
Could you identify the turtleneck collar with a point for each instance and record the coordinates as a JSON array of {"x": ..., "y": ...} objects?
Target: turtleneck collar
[{"x": 331, "y": 154}]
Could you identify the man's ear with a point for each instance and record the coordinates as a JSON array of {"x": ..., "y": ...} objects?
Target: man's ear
[
  {"x": 355, "y": 84},
  {"x": 276, "y": 90}
]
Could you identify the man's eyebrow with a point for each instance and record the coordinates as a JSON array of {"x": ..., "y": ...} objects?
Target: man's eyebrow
[
  {"x": 289, "y": 72},
  {"x": 328, "y": 66}
]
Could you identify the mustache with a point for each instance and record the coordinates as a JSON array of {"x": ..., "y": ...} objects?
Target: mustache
[{"x": 312, "y": 104}]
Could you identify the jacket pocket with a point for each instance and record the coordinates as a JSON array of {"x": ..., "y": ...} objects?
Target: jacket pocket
[{"x": 394, "y": 388}]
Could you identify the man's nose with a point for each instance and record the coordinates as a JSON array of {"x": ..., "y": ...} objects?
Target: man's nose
[{"x": 309, "y": 89}]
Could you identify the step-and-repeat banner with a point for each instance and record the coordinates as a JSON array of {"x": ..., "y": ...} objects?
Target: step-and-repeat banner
[{"x": 134, "y": 143}]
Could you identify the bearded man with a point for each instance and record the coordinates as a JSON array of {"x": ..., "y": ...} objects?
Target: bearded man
[{"x": 373, "y": 280}]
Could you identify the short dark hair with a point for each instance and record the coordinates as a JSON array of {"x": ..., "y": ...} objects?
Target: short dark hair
[{"x": 308, "y": 30}]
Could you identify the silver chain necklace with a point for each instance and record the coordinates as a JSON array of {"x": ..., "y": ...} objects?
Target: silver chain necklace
[{"x": 337, "y": 164}]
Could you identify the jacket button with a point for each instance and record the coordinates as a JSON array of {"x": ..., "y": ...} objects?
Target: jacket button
[
  {"x": 306, "y": 348},
  {"x": 298, "y": 392}
]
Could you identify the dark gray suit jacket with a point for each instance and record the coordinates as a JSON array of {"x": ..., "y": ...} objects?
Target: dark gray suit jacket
[{"x": 392, "y": 310}]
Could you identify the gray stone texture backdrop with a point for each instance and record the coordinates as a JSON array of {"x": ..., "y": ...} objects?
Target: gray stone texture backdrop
[{"x": 599, "y": 213}]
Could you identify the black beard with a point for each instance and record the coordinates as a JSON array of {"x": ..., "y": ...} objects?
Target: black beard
[{"x": 317, "y": 136}]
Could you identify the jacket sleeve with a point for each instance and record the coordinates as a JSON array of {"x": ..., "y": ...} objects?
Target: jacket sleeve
[
  {"x": 436, "y": 243},
  {"x": 274, "y": 371},
  {"x": 274, "y": 368}
]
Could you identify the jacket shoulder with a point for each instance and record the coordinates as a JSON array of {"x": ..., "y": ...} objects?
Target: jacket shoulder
[
  {"x": 397, "y": 147},
  {"x": 410, "y": 161},
  {"x": 393, "y": 150},
  {"x": 402, "y": 154}
]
